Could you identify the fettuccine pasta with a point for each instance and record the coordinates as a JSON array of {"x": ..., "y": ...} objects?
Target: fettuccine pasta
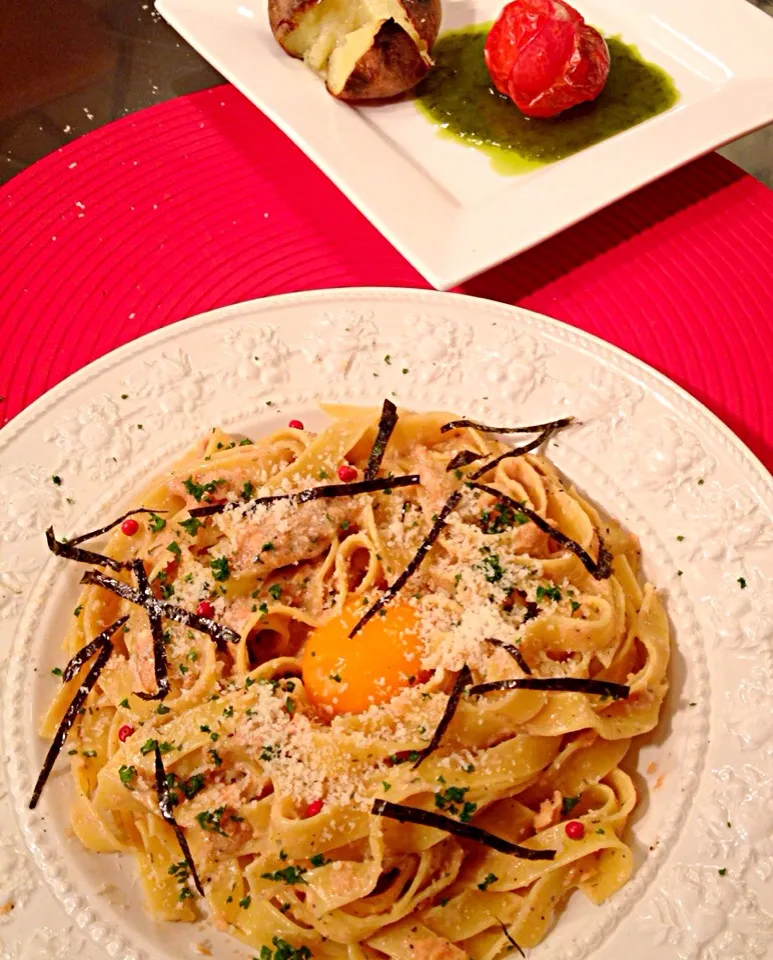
[{"x": 277, "y": 742}]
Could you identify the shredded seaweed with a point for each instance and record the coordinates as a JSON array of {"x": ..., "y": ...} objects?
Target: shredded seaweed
[
  {"x": 324, "y": 492},
  {"x": 87, "y": 652},
  {"x": 509, "y": 936},
  {"x": 463, "y": 679},
  {"x": 485, "y": 428},
  {"x": 424, "y": 818},
  {"x": 166, "y": 807},
  {"x": 386, "y": 426},
  {"x": 69, "y": 719},
  {"x": 514, "y": 652},
  {"x": 63, "y": 548},
  {"x": 108, "y": 527},
  {"x": 168, "y": 611},
  {"x": 600, "y": 688},
  {"x": 160, "y": 665},
  {"x": 521, "y": 451},
  {"x": 413, "y": 565},
  {"x": 462, "y": 459},
  {"x": 600, "y": 569}
]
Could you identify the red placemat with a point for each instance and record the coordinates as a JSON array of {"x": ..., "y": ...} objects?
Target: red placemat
[{"x": 202, "y": 202}]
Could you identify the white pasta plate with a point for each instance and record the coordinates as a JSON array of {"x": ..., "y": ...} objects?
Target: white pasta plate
[
  {"x": 656, "y": 459},
  {"x": 440, "y": 202}
]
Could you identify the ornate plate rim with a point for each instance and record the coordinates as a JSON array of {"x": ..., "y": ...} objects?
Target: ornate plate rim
[{"x": 261, "y": 310}]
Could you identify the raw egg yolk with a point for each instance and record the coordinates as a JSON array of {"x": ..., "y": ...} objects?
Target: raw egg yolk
[{"x": 344, "y": 675}]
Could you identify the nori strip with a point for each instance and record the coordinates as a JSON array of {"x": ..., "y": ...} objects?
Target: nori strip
[
  {"x": 601, "y": 688},
  {"x": 69, "y": 718},
  {"x": 413, "y": 565},
  {"x": 462, "y": 459},
  {"x": 328, "y": 490},
  {"x": 168, "y": 611},
  {"x": 514, "y": 652},
  {"x": 166, "y": 807},
  {"x": 160, "y": 665},
  {"x": 87, "y": 652},
  {"x": 385, "y": 427},
  {"x": 66, "y": 550},
  {"x": 509, "y": 936},
  {"x": 520, "y": 451},
  {"x": 600, "y": 569},
  {"x": 108, "y": 527},
  {"x": 461, "y": 682},
  {"x": 424, "y": 818},
  {"x": 484, "y": 428}
]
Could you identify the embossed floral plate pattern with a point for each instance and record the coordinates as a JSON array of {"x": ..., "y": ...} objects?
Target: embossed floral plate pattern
[{"x": 701, "y": 503}]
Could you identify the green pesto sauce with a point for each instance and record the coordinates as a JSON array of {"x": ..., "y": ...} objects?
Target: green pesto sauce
[{"x": 459, "y": 96}]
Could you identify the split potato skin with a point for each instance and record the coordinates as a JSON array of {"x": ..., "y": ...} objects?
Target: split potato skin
[{"x": 365, "y": 49}]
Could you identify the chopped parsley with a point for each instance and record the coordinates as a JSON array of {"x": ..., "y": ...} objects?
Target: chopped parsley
[
  {"x": 575, "y": 605},
  {"x": 156, "y": 523},
  {"x": 192, "y": 785},
  {"x": 267, "y": 547},
  {"x": 568, "y": 804},
  {"x": 550, "y": 593},
  {"x": 200, "y": 490},
  {"x": 126, "y": 774},
  {"x": 220, "y": 568},
  {"x": 275, "y": 591},
  {"x": 209, "y": 820},
  {"x": 283, "y": 950},
  {"x": 191, "y": 526},
  {"x": 492, "y": 568},
  {"x": 57, "y": 671},
  {"x": 248, "y": 491},
  {"x": 162, "y": 709},
  {"x": 288, "y": 875},
  {"x": 268, "y": 752},
  {"x": 742, "y": 582},
  {"x": 500, "y": 518},
  {"x": 245, "y": 902},
  {"x": 56, "y": 480},
  {"x": 487, "y": 881},
  {"x": 228, "y": 712},
  {"x": 318, "y": 860},
  {"x": 174, "y": 547},
  {"x": 722, "y": 871},
  {"x": 450, "y": 799},
  {"x": 124, "y": 703},
  {"x": 150, "y": 745},
  {"x": 215, "y": 757},
  {"x": 78, "y": 610}
]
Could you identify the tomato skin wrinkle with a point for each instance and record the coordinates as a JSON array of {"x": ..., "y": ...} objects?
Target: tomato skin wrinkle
[{"x": 545, "y": 58}]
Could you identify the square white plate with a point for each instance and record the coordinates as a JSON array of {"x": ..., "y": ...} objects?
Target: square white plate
[{"x": 440, "y": 202}]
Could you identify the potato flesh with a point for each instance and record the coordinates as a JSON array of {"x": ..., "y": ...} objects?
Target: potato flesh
[
  {"x": 345, "y": 57},
  {"x": 335, "y": 34}
]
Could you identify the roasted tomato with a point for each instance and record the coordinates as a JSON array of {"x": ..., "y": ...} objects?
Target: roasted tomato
[{"x": 545, "y": 57}]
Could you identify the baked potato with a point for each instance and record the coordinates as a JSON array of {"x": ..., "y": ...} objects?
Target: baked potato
[{"x": 364, "y": 49}]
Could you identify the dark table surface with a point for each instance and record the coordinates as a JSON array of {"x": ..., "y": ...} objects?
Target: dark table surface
[{"x": 70, "y": 66}]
